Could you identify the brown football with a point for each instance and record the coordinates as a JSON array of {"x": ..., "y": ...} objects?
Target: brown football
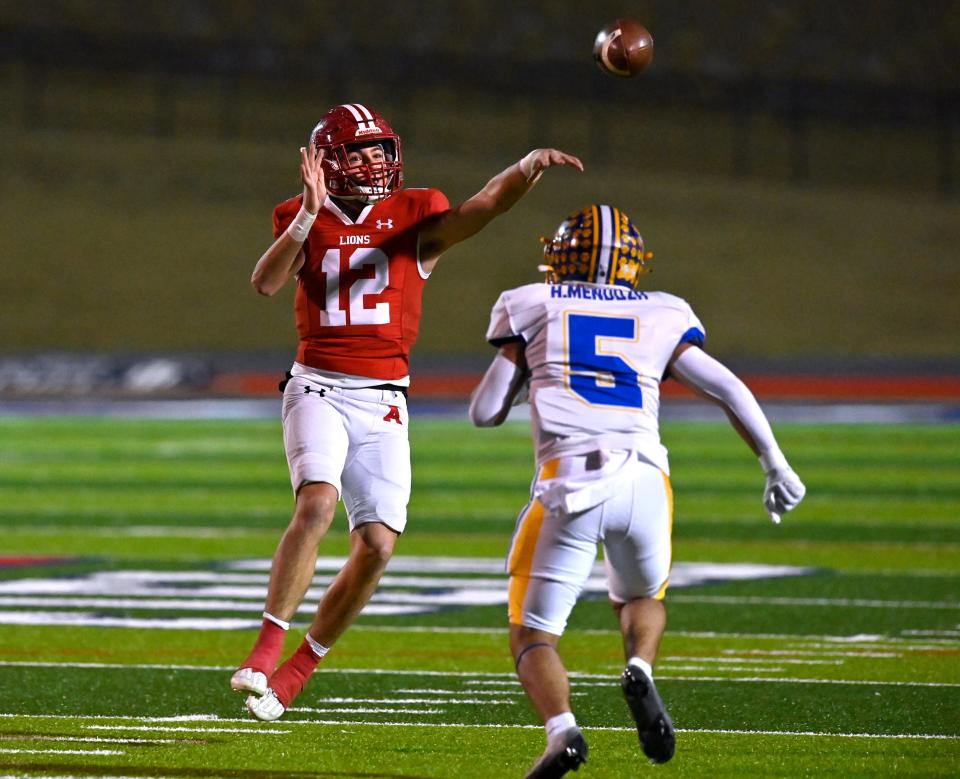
[{"x": 623, "y": 48}]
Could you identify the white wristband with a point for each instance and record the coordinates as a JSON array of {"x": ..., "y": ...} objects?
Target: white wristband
[
  {"x": 299, "y": 228},
  {"x": 526, "y": 168}
]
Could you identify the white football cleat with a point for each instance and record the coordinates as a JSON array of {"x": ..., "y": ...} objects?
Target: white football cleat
[
  {"x": 248, "y": 680},
  {"x": 266, "y": 708}
]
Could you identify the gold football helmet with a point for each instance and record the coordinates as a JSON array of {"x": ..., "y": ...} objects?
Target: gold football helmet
[{"x": 598, "y": 244}]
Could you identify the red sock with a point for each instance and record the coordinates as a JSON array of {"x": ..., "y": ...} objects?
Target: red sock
[
  {"x": 291, "y": 677},
  {"x": 265, "y": 653}
]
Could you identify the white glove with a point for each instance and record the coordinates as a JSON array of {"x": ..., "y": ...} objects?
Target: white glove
[{"x": 782, "y": 493}]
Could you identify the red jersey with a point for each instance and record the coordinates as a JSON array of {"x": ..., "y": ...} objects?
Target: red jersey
[{"x": 359, "y": 292}]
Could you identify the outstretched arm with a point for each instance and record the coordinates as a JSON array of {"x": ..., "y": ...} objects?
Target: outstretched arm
[
  {"x": 499, "y": 387},
  {"x": 284, "y": 258},
  {"x": 711, "y": 379},
  {"x": 499, "y": 195}
]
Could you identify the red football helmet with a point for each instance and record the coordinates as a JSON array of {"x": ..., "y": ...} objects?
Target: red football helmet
[{"x": 349, "y": 127}]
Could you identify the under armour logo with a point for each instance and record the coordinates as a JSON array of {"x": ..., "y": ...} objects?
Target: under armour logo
[
  {"x": 393, "y": 415},
  {"x": 384, "y": 224},
  {"x": 316, "y": 390}
]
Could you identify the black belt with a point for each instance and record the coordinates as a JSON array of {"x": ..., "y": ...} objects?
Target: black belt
[{"x": 393, "y": 387}]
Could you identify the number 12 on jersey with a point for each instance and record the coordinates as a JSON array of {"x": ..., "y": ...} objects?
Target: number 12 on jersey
[
  {"x": 601, "y": 378},
  {"x": 378, "y": 264}
]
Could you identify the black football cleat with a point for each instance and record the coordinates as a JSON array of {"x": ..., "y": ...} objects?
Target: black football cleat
[
  {"x": 654, "y": 725},
  {"x": 555, "y": 762}
]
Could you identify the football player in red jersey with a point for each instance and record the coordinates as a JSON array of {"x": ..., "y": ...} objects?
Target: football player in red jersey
[{"x": 361, "y": 248}]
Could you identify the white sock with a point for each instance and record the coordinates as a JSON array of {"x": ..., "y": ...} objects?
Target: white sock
[
  {"x": 316, "y": 647},
  {"x": 557, "y": 725},
  {"x": 642, "y": 664},
  {"x": 276, "y": 620}
]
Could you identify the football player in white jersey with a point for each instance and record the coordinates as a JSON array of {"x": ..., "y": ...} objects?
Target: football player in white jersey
[{"x": 589, "y": 350}]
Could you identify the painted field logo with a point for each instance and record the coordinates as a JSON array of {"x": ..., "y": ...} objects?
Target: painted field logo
[{"x": 198, "y": 599}]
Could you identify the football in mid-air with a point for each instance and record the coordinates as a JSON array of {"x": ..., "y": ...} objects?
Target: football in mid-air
[{"x": 623, "y": 48}]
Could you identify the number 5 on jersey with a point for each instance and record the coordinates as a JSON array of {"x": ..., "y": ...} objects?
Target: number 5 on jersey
[{"x": 598, "y": 377}]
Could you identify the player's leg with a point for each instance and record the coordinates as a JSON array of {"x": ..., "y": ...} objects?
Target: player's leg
[
  {"x": 371, "y": 546},
  {"x": 637, "y": 558},
  {"x": 295, "y": 560},
  {"x": 550, "y": 559},
  {"x": 642, "y": 623},
  {"x": 291, "y": 573},
  {"x": 544, "y": 679},
  {"x": 540, "y": 670},
  {"x": 316, "y": 443},
  {"x": 376, "y": 489}
]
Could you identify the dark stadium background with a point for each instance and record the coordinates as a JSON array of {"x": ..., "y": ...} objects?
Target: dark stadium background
[{"x": 793, "y": 166}]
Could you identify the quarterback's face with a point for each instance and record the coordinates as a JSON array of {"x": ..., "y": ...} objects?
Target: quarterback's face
[{"x": 365, "y": 164}]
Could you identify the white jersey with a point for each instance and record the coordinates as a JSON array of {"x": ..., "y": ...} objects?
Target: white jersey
[{"x": 596, "y": 356}]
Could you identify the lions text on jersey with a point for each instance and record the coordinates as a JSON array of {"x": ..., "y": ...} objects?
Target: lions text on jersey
[
  {"x": 359, "y": 292},
  {"x": 596, "y": 356}
]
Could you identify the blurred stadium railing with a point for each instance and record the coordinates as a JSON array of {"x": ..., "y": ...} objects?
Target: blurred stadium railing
[
  {"x": 787, "y": 119},
  {"x": 241, "y": 386}
]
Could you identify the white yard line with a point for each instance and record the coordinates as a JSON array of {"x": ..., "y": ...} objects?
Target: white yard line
[
  {"x": 139, "y": 531},
  {"x": 743, "y": 600},
  {"x": 456, "y": 692},
  {"x": 96, "y": 717},
  {"x": 666, "y": 666},
  {"x": 785, "y": 680},
  {"x": 6, "y": 751},
  {"x": 818, "y": 734},
  {"x": 813, "y": 652},
  {"x": 737, "y": 658},
  {"x": 873, "y": 639},
  {"x": 935, "y": 639},
  {"x": 80, "y": 619},
  {"x": 259, "y": 727},
  {"x": 74, "y": 776},
  {"x": 112, "y": 666},
  {"x": 366, "y": 710},
  {"x": 413, "y": 700},
  {"x": 575, "y": 676},
  {"x": 181, "y": 729},
  {"x": 90, "y": 739}
]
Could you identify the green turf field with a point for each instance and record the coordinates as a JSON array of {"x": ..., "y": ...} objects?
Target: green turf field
[{"x": 134, "y": 558}]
